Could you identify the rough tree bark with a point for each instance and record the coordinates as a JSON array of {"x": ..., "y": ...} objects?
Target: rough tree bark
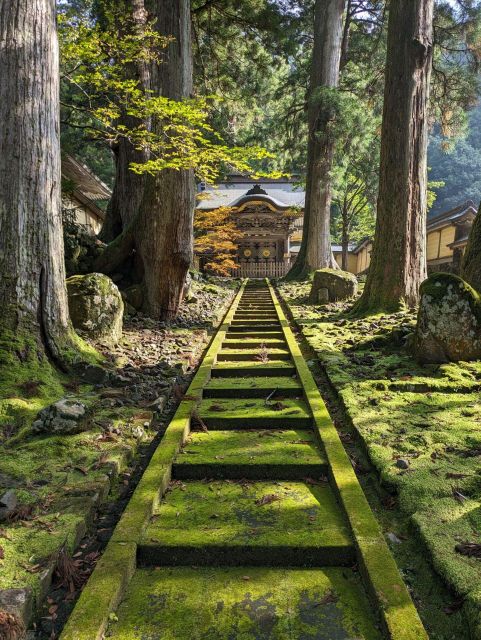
[
  {"x": 128, "y": 187},
  {"x": 398, "y": 263},
  {"x": 164, "y": 232},
  {"x": 315, "y": 251},
  {"x": 33, "y": 296},
  {"x": 471, "y": 264}
]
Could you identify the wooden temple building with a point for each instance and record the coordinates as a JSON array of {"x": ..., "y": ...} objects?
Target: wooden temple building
[{"x": 269, "y": 213}]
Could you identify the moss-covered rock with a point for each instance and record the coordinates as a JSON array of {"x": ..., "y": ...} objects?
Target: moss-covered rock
[
  {"x": 330, "y": 285},
  {"x": 449, "y": 321},
  {"x": 471, "y": 265},
  {"x": 96, "y": 306}
]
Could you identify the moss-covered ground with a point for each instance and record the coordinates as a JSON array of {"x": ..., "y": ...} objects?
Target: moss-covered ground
[
  {"x": 245, "y": 604},
  {"x": 60, "y": 480},
  {"x": 290, "y": 523},
  {"x": 425, "y": 417}
]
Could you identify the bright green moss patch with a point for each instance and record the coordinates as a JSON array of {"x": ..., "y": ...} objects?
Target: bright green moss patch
[
  {"x": 245, "y": 604},
  {"x": 236, "y": 515},
  {"x": 251, "y": 447},
  {"x": 426, "y": 415},
  {"x": 254, "y": 412}
]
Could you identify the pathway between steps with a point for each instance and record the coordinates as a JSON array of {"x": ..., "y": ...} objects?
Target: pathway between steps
[{"x": 249, "y": 519}]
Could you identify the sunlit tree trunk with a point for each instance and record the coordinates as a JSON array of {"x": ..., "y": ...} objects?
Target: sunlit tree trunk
[
  {"x": 33, "y": 298},
  {"x": 128, "y": 189},
  {"x": 164, "y": 233},
  {"x": 315, "y": 251},
  {"x": 399, "y": 254}
]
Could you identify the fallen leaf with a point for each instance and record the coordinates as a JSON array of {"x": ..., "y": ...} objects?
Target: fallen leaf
[
  {"x": 327, "y": 599},
  {"x": 2, "y": 553},
  {"x": 470, "y": 549},
  {"x": 267, "y": 499}
]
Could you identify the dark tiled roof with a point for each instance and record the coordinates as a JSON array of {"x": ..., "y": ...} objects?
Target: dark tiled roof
[{"x": 452, "y": 215}]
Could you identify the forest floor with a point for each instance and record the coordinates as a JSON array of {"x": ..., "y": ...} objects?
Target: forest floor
[
  {"x": 70, "y": 489},
  {"x": 419, "y": 427}
]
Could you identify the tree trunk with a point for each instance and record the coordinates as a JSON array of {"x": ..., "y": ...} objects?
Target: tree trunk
[
  {"x": 345, "y": 237},
  {"x": 315, "y": 251},
  {"x": 33, "y": 295},
  {"x": 399, "y": 254},
  {"x": 164, "y": 233},
  {"x": 471, "y": 263},
  {"x": 128, "y": 187}
]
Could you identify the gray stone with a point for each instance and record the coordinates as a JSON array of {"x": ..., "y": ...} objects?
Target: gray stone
[
  {"x": 449, "y": 321},
  {"x": 401, "y": 463},
  {"x": 159, "y": 403},
  {"x": 18, "y": 602},
  {"x": 8, "y": 502},
  {"x": 63, "y": 417},
  {"x": 96, "y": 307},
  {"x": 332, "y": 285},
  {"x": 134, "y": 296}
]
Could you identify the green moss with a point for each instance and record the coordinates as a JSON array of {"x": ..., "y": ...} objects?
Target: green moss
[
  {"x": 428, "y": 415},
  {"x": 304, "y": 521},
  {"x": 251, "y": 447},
  {"x": 253, "y": 412},
  {"x": 28, "y": 381},
  {"x": 102, "y": 594},
  {"x": 437, "y": 284},
  {"x": 196, "y": 604}
]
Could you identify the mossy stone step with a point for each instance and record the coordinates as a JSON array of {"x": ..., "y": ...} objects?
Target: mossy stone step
[
  {"x": 247, "y": 523},
  {"x": 256, "y": 314},
  {"x": 258, "y": 387},
  {"x": 252, "y": 413},
  {"x": 253, "y": 368},
  {"x": 232, "y": 334},
  {"x": 253, "y": 455},
  {"x": 254, "y": 343},
  {"x": 182, "y": 603},
  {"x": 253, "y": 354},
  {"x": 256, "y": 325}
]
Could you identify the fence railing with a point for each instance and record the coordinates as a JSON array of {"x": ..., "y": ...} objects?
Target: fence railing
[{"x": 261, "y": 270}]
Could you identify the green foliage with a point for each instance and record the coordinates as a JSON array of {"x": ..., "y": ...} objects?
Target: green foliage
[
  {"x": 458, "y": 166},
  {"x": 96, "y": 60}
]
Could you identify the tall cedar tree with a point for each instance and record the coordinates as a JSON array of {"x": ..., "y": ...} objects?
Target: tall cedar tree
[
  {"x": 165, "y": 232},
  {"x": 128, "y": 186},
  {"x": 315, "y": 251},
  {"x": 398, "y": 263},
  {"x": 33, "y": 295}
]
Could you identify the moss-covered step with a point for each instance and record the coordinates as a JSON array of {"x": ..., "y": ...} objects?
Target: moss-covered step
[
  {"x": 255, "y": 315},
  {"x": 258, "y": 387},
  {"x": 262, "y": 354},
  {"x": 260, "y": 334},
  {"x": 253, "y": 413},
  {"x": 181, "y": 603},
  {"x": 253, "y": 455},
  {"x": 247, "y": 524},
  {"x": 252, "y": 368},
  {"x": 253, "y": 343},
  {"x": 250, "y": 322}
]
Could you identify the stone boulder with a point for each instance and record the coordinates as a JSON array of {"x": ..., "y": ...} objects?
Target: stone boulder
[
  {"x": 96, "y": 307},
  {"x": 331, "y": 285},
  {"x": 449, "y": 321},
  {"x": 64, "y": 417}
]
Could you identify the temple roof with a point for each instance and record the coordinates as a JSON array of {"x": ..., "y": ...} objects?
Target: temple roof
[
  {"x": 452, "y": 216},
  {"x": 280, "y": 194}
]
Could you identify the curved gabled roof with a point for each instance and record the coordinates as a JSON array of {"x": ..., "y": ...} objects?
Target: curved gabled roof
[{"x": 279, "y": 195}]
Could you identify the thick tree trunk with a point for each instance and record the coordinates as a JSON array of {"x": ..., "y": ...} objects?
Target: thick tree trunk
[
  {"x": 471, "y": 264},
  {"x": 345, "y": 245},
  {"x": 164, "y": 233},
  {"x": 128, "y": 188},
  {"x": 315, "y": 251},
  {"x": 399, "y": 260},
  {"x": 33, "y": 296}
]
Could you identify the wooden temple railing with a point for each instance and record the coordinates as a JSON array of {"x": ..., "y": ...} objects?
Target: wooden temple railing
[{"x": 261, "y": 269}]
